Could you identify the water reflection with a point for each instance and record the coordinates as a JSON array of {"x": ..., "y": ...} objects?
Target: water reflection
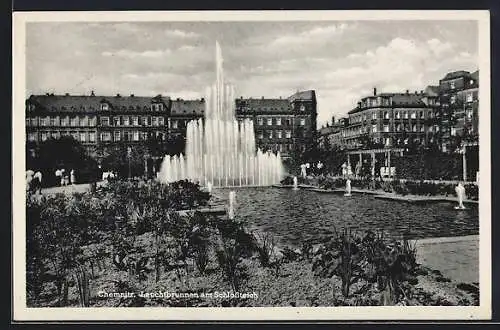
[{"x": 296, "y": 216}]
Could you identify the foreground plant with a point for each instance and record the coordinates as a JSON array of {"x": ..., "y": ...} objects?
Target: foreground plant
[{"x": 340, "y": 257}]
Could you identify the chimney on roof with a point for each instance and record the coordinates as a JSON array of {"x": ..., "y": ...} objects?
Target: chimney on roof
[
  {"x": 92, "y": 93},
  {"x": 333, "y": 120},
  {"x": 262, "y": 97},
  {"x": 407, "y": 92},
  {"x": 416, "y": 92},
  {"x": 374, "y": 91}
]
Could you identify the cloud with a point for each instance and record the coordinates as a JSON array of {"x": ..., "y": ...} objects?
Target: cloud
[
  {"x": 135, "y": 54},
  {"x": 311, "y": 35},
  {"x": 181, "y": 34}
]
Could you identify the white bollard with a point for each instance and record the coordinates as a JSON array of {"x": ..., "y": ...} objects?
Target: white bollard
[
  {"x": 347, "y": 188},
  {"x": 232, "y": 199}
]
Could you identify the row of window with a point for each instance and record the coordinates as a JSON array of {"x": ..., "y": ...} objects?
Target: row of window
[
  {"x": 278, "y": 121},
  {"x": 91, "y": 136},
  {"x": 153, "y": 107},
  {"x": 79, "y": 136},
  {"x": 386, "y": 129},
  {"x": 285, "y": 147},
  {"x": 400, "y": 114},
  {"x": 117, "y": 136},
  {"x": 276, "y": 134},
  {"x": 61, "y": 121},
  {"x": 132, "y": 121}
]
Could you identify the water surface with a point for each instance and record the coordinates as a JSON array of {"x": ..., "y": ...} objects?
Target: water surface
[{"x": 298, "y": 215}]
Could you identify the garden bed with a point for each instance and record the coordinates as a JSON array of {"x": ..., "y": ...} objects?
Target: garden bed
[{"x": 126, "y": 245}]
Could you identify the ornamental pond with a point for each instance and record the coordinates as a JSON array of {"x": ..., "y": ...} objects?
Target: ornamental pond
[{"x": 296, "y": 216}]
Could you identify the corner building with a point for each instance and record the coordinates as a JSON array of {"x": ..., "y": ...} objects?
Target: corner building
[
  {"x": 392, "y": 119},
  {"x": 282, "y": 124}
]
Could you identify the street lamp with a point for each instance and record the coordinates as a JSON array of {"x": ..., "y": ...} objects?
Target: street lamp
[{"x": 129, "y": 155}]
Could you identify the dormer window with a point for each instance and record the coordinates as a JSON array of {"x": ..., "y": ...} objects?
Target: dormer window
[
  {"x": 302, "y": 108},
  {"x": 104, "y": 106},
  {"x": 452, "y": 84}
]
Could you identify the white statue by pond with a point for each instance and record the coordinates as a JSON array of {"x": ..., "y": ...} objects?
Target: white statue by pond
[
  {"x": 347, "y": 188},
  {"x": 232, "y": 199},
  {"x": 460, "y": 190},
  {"x": 209, "y": 186},
  {"x": 303, "y": 172},
  {"x": 295, "y": 183}
]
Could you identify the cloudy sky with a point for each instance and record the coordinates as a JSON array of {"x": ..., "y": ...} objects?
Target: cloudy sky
[{"x": 342, "y": 61}]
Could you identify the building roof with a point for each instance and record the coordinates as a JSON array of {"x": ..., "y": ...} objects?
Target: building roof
[
  {"x": 133, "y": 102},
  {"x": 456, "y": 74},
  {"x": 407, "y": 99},
  {"x": 309, "y": 95},
  {"x": 265, "y": 104},
  {"x": 65, "y": 102},
  {"x": 398, "y": 99},
  {"x": 90, "y": 103},
  {"x": 475, "y": 75},
  {"x": 188, "y": 107}
]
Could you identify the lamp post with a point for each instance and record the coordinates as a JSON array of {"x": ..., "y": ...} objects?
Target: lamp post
[{"x": 129, "y": 155}]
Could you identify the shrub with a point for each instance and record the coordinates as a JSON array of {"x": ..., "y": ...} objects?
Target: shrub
[
  {"x": 392, "y": 265},
  {"x": 229, "y": 255},
  {"x": 265, "y": 245},
  {"x": 287, "y": 181},
  {"x": 340, "y": 257},
  {"x": 472, "y": 191}
]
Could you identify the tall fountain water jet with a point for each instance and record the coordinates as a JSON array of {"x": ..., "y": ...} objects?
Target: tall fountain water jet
[{"x": 220, "y": 149}]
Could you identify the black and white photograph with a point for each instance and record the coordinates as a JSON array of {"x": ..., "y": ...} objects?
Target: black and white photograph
[{"x": 243, "y": 166}]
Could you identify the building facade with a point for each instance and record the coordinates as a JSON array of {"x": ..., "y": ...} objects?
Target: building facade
[
  {"x": 283, "y": 124},
  {"x": 459, "y": 99},
  {"x": 332, "y": 133},
  {"x": 280, "y": 124},
  {"x": 392, "y": 119}
]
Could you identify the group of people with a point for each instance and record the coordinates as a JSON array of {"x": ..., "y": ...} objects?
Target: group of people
[
  {"x": 316, "y": 169},
  {"x": 64, "y": 178},
  {"x": 34, "y": 181},
  {"x": 109, "y": 175}
]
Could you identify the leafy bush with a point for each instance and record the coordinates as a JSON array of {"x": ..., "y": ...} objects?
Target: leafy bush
[{"x": 390, "y": 264}]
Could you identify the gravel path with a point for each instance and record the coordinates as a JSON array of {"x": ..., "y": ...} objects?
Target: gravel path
[{"x": 457, "y": 258}]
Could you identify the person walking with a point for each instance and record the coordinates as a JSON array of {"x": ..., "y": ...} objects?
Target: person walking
[
  {"x": 62, "y": 177},
  {"x": 72, "y": 177},
  {"x": 58, "y": 176},
  {"x": 37, "y": 180},
  {"x": 29, "y": 179},
  {"x": 319, "y": 167}
]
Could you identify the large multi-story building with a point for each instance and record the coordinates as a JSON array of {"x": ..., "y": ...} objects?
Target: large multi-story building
[
  {"x": 458, "y": 96},
  {"x": 280, "y": 124},
  {"x": 331, "y": 134},
  {"x": 392, "y": 119}
]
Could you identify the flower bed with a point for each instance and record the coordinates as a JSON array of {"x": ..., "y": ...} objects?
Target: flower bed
[{"x": 127, "y": 238}]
